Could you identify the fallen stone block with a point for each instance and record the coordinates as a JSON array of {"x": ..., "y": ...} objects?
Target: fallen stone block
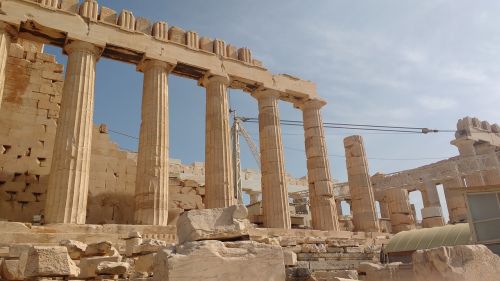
[
  {"x": 313, "y": 248},
  {"x": 76, "y": 249},
  {"x": 134, "y": 239},
  {"x": 88, "y": 265},
  {"x": 10, "y": 270},
  {"x": 331, "y": 275},
  {"x": 49, "y": 261},
  {"x": 213, "y": 224},
  {"x": 149, "y": 246},
  {"x": 144, "y": 263},
  {"x": 16, "y": 250},
  {"x": 218, "y": 261},
  {"x": 112, "y": 268},
  {"x": 99, "y": 249},
  {"x": 457, "y": 263},
  {"x": 290, "y": 258}
]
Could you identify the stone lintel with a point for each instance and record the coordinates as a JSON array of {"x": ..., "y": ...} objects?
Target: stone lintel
[{"x": 53, "y": 27}]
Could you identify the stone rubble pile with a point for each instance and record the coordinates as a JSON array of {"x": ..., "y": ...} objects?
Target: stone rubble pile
[
  {"x": 77, "y": 260},
  {"x": 457, "y": 263},
  {"x": 314, "y": 258}
]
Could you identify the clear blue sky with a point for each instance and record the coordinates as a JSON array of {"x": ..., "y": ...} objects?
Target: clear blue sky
[{"x": 413, "y": 63}]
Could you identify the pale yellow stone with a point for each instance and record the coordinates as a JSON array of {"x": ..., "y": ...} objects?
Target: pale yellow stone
[
  {"x": 362, "y": 197},
  {"x": 151, "y": 191},
  {"x": 322, "y": 205},
  {"x": 69, "y": 180},
  {"x": 273, "y": 182},
  {"x": 218, "y": 261},
  {"x": 219, "y": 191}
]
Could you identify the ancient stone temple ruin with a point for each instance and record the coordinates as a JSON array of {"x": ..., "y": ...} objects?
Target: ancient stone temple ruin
[{"x": 73, "y": 205}]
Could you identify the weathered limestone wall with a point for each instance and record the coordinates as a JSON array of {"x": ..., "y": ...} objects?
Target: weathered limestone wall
[
  {"x": 28, "y": 117},
  {"x": 478, "y": 164},
  {"x": 28, "y": 121}
]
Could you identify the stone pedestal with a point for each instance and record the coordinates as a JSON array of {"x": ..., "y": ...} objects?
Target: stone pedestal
[
  {"x": 69, "y": 177},
  {"x": 273, "y": 180},
  {"x": 364, "y": 215},
  {"x": 219, "y": 191},
  {"x": 323, "y": 208},
  {"x": 151, "y": 191},
  {"x": 6, "y": 34}
]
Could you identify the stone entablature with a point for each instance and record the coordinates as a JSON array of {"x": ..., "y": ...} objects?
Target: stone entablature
[
  {"x": 129, "y": 39},
  {"x": 478, "y": 164},
  {"x": 87, "y": 33}
]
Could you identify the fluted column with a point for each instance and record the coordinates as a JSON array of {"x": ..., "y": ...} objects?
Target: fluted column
[
  {"x": 400, "y": 210},
  {"x": 432, "y": 214},
  {"x": 6, "y": 34},
  {"x": 466, "y": 148},
  {"x": 151, "y": 189},
  {"x": 219, "y": 192},
  {"x": 323, "y": 208},
  {"x": 69, "y": 175},
  {"x": 364, "y": 215},
  {"x": 455, "y": 200},
  {"x": 273, "y": 180}
]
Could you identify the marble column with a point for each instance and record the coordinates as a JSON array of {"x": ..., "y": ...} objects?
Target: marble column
[
  {"x": 323, "y": 208},
  {"x": 467, "y": 150},
  {"x": 455, "y": 200},
  {"x": 432, "y": 214},
  {"x": 400, "y": 211},
  {"x": 6, "y": 34},
  {"x": 488, "y": 153},
  {"x": 219, "y": 191},
  {"x": 273, "y": 180},
  {"x": 151, "y": 190},
  {"x": 69, "y": 175},
  {"x": 364, "y": 215}
]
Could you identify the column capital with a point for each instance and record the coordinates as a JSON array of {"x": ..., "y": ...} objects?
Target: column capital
[
  {"x": 149, "y": 63},
  {"x": 265, "y": 93},
  {"x": 210, "y": 78},
  {"x": 78, "y": 45},
  {"x": 310, "y": 104}
]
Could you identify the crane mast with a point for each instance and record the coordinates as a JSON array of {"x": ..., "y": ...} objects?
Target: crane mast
[{"x": 236, "y": 130}]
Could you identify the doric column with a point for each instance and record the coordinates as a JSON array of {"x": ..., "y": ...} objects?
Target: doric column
[
  {"x": 400, "y": 211},
  {"x": 219, "y": 192},
  {"x": 432, "y": 214},
  {"x": 323, "y": 208},
  {"x": 151, "y": 189},
  {"x": 455, "y": 200},
  {"x": 6, "y": 34},
  {"x": 489, "y": 157},
  {"x": 364, "y": 215},
  {"x": 69, "y": 174},
  {"x": 473, "y": 176},
  {"x": 273, "y": 179}
]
